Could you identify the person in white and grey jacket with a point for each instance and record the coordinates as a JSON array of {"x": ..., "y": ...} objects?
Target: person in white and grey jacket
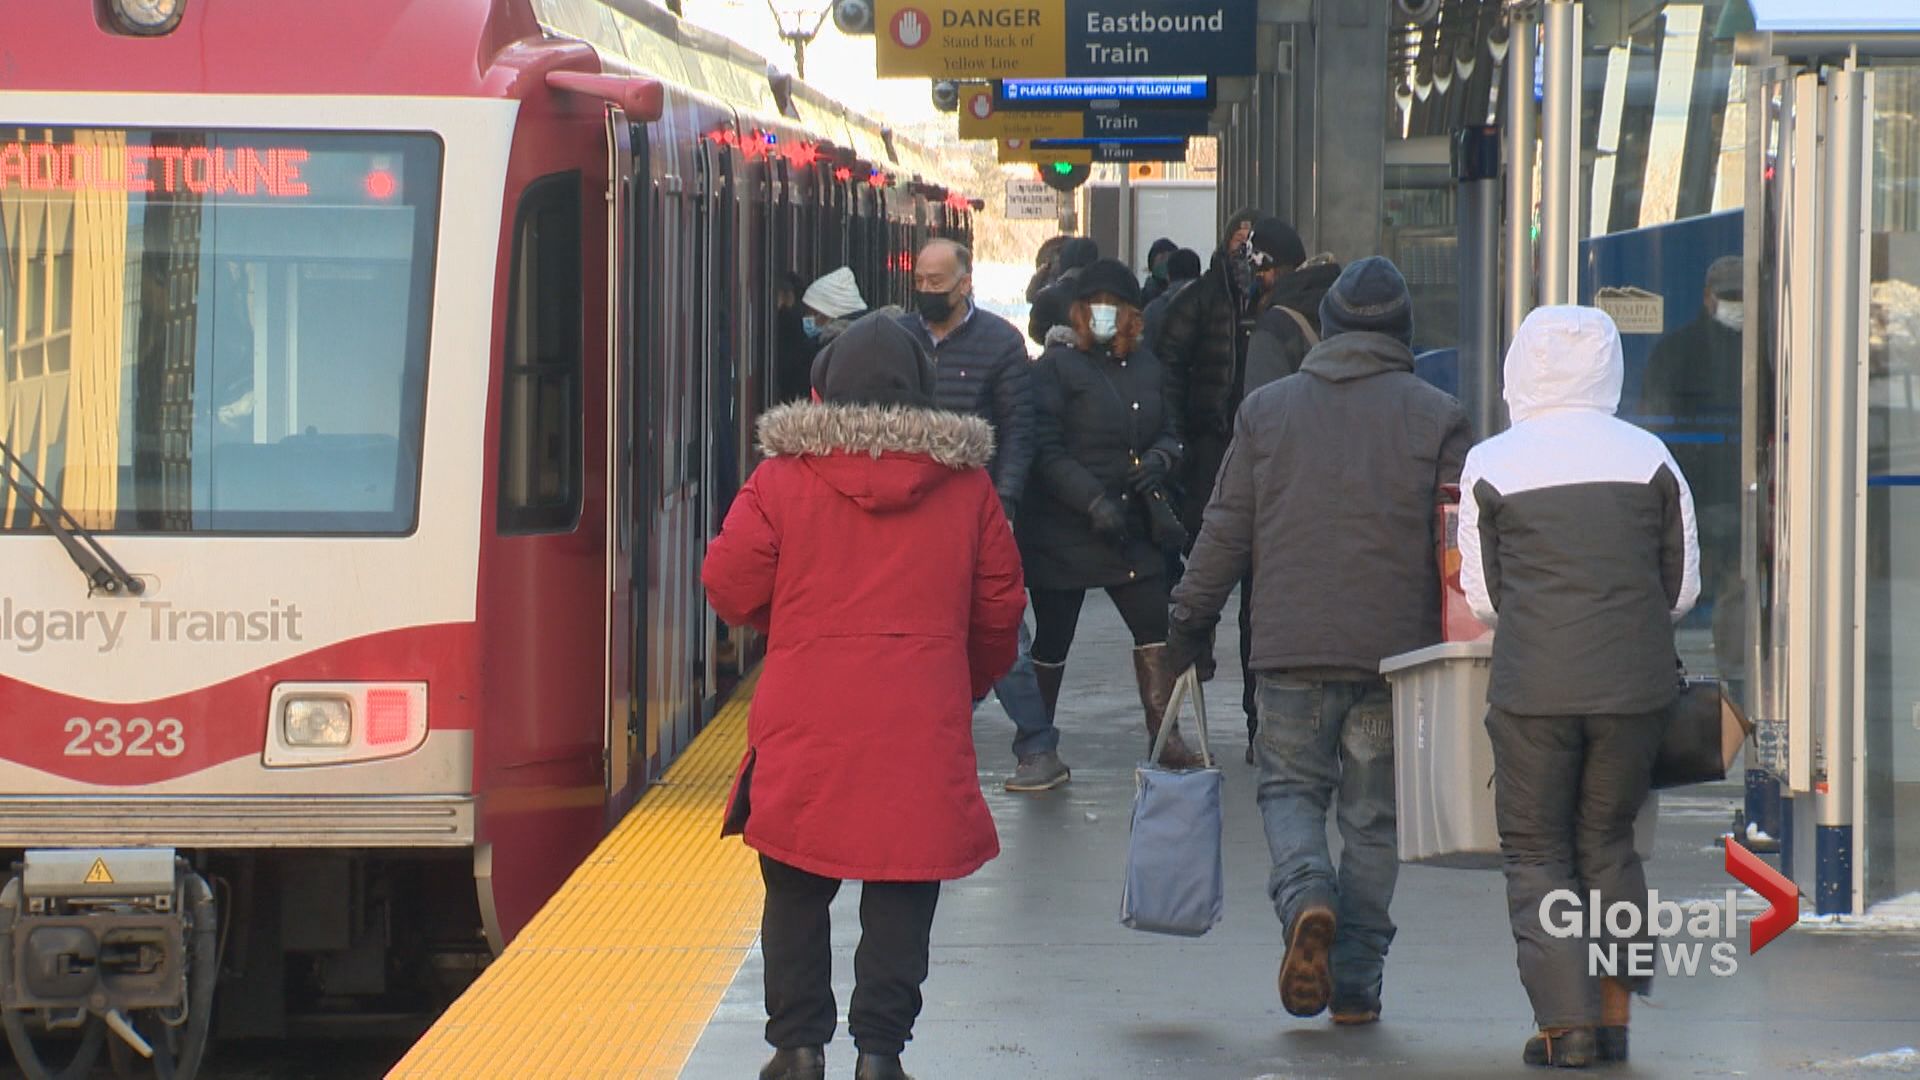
[{"x": 1577, "y": 542}]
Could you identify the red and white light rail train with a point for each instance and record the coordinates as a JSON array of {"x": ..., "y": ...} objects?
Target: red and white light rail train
[{"x": 372, "y": 376}]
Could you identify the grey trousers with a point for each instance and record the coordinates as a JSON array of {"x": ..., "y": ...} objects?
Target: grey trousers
[{"x": 1566, "y": 791}]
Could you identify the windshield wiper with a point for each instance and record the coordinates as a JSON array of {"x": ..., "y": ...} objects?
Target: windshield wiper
[{"x": 104, "y": 574}]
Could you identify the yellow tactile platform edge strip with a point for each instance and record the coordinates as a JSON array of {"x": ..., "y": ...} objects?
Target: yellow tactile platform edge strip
[{"x": 619, "y": 973}]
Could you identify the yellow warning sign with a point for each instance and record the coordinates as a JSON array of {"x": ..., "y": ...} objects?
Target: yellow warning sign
[
  {"x": 979, "y": 39},
  {"x": 1018, "y": 152},
  {"x": 1021, "y": 125},
  {"x": 98, "y": 874}
]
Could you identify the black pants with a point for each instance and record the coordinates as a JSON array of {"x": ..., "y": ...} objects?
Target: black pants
[
  {"x": 796, "y": 941},
  {"x": 1566, "y": 792},
  {"x": 1056, "y": 614}
]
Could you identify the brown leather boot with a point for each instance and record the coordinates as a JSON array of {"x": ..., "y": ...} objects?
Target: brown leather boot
[
  {"x": 1049, "y": 676},
  {"x": 1156, "y": 686},
  {"x": 1616, "y": 1009}
]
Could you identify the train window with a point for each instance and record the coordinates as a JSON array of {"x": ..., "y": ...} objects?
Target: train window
[
  {"x": 236, "y": 343},
  {"x": 540, "y": 444}
]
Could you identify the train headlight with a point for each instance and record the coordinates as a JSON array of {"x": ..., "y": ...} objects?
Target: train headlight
[
  {"x": 338, "y": 723},
  {"x": 147, "y": 16},
  {"x": 316, "y": 721}
]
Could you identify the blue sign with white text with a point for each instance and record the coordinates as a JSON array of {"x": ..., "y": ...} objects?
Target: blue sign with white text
[
  {"x": 1075, "y": 93},
  {"x": 1156, "y": 37},
  {"x": 1144, "y": 123}
]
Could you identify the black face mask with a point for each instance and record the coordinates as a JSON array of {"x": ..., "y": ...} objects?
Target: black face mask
[{"x": 935, "y": 307}]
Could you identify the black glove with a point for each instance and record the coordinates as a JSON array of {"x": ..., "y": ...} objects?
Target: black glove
[
  {"x": 1187, "y": 645},
  {"x": 1150, "y": 471},
  {"x": 1168, "y": 534},
  {"x": 1109, "y": 519}
]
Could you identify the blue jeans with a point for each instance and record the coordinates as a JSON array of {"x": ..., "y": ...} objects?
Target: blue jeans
[
  {"x": 1019, "y": 694},
  {"x": 1318, "y": 742}
]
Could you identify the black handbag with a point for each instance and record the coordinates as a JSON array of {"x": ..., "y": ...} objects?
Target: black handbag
[{"x": 1704, "y": 732}]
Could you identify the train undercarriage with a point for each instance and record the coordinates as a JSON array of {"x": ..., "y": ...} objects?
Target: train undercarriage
[{"x": 143, "y": 956}]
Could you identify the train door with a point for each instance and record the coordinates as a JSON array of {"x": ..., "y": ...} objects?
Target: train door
[
  {"x": 628, "y": 466},
  {"x": 672, "y": 587}
]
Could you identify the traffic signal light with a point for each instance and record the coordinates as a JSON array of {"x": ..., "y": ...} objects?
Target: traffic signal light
[{"x": 1064, "y": 176}]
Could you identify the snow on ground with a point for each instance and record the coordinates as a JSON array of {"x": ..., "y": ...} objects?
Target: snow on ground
[
  {"x": 1904, "y": 1062},
  {"x": 1899, "y": 915}
]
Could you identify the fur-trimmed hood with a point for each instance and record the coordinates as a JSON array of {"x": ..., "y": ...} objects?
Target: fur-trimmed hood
[
  {"x": 885, "y": 458},
  {"x": 814, "y": 429}
]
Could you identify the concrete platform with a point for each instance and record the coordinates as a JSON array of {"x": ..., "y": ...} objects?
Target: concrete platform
[{"x": 1033, "y": 976}]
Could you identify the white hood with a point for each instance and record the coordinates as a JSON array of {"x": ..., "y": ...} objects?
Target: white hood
[{"x": 1564, "y": 358}]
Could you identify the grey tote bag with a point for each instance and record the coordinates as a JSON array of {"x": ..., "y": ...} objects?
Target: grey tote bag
[{"x": 1174, "y": 878}]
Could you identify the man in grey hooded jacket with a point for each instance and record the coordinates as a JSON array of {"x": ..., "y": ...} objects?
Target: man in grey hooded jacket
[{"x": 1327, "y": 495}]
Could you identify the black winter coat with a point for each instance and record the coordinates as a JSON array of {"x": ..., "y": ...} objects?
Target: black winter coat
[
  {"x": 1094, "y": 416},
  {"x": 1204, "y": 345},
  {"x": 981, "y": 369}
]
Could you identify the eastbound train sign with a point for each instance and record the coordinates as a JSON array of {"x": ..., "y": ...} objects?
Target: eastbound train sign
[{"x": 980, "y": 39}]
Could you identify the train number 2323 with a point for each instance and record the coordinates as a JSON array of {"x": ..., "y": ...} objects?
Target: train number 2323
[{"x": 138, "y": 737}]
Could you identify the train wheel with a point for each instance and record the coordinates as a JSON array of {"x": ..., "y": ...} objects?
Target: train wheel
[{"x": 26, "y": 1049}]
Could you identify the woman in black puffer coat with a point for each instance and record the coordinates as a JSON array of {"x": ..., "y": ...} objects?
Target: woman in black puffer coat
[{"x": 1097, "y": 515}]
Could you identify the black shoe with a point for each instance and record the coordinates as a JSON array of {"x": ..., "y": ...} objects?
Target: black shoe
[
  {"x": 879, "y": 1067},
  {"x": 796, "y": 1063},
  {"x": 1610, "y": 1043},
  {"x": 1573, "y": 1048}
]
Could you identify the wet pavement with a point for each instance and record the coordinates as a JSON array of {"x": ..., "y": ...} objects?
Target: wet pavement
[{"x": 1033, "y": 976}]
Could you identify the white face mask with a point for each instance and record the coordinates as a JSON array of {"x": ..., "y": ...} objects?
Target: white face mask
[
  {"x": 1731, "y": 314},
  {"x": 1104, "y": 321}
]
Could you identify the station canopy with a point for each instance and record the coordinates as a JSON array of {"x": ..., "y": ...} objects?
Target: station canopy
[{"x": 1859, "y": 16}]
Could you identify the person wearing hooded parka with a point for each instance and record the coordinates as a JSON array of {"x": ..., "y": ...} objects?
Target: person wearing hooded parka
[
  {"x": 1577, "y": 541},
  {"x": 870, "y": 547},
  {"x": 1097, "y": 515}
]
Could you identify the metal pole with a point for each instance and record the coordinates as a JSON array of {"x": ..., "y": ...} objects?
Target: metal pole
[
  {"x": 1125, "y": 254},
  {"x": 1476, "y": 171},
  {"x": 1559, "y": 153},
  {"x": 1521, "y": 131},
  {"x": 1842, "y": 487}
]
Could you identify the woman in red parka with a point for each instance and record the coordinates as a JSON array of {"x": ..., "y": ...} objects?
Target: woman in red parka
[{"x": 871, "y": 549}]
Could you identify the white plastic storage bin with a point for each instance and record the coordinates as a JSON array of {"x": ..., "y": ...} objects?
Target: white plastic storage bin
[{"x": 1443, "y": 759}]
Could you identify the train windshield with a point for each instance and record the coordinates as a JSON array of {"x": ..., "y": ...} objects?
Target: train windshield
[{"x": 217, "y": 331}]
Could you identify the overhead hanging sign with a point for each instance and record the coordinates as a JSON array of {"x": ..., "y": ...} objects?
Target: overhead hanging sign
[
  {"x": 1022, "y": 152},
  {"x": 1031, "y": 200},
  {"x": 1118, "y": 150},
  {"x": 1058, "y": 94},
  {"x": 1160, "y": 37},
  {"x": 1115, "y": 123},
  {"x": 954, "y": 39}
]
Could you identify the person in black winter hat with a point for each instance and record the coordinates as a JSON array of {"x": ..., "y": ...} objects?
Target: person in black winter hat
[
  {"x": 1109, "y": 276},
  {"x": 1050, "y": 307},
  {"x": 875, "y": 362},
  {"x": 1181, "y": 268},
  {"x": 1158, "y": 277},
  {"x": 1327, "y": 498},
  {"x": 1371, "y": 295},
  {"x": 1100, "y": 518}
]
